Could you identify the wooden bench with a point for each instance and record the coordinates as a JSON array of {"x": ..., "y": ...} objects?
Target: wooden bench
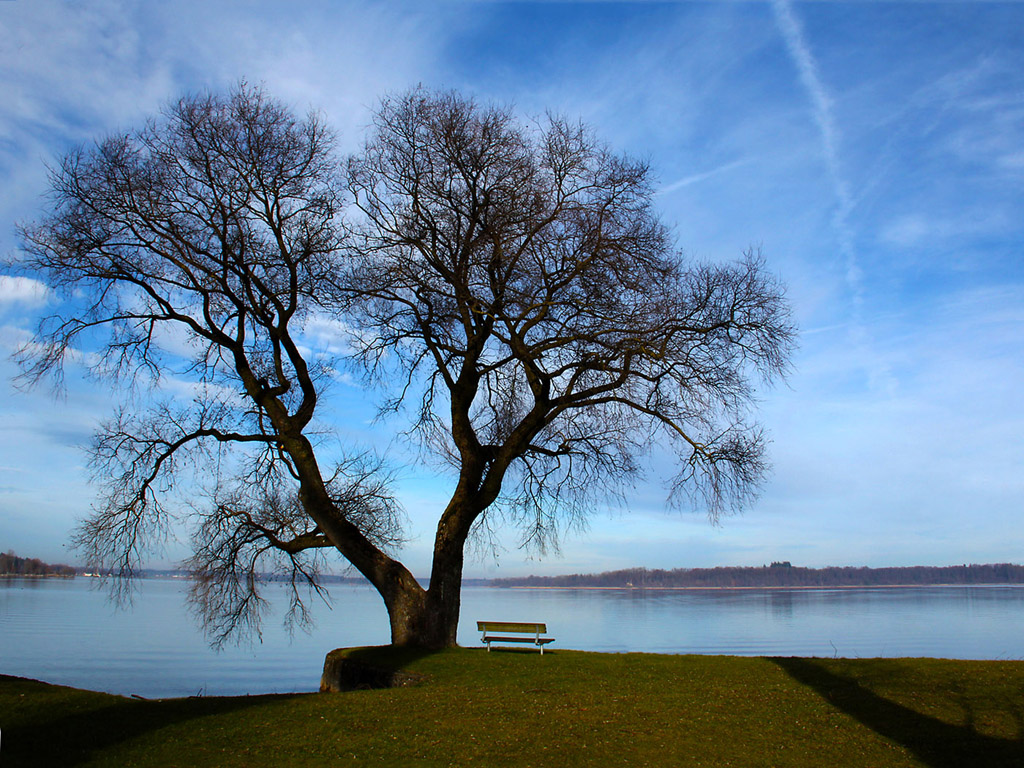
[{"x": 526, "y": 632}]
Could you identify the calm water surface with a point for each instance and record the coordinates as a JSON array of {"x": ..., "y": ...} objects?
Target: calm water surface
[{"x": 65, "y": 631}]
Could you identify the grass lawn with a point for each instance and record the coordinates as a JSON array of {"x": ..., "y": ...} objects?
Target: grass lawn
[{"x": 566, "y": 708}]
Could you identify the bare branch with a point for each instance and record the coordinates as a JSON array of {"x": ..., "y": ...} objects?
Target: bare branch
[
  {"x": 567, "y": 334},
  {"x": 250, "y": 533},
  {"x": 195, "y": 249}
]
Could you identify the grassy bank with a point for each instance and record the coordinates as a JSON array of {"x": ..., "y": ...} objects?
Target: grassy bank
[{"x": 563, "y": 709}]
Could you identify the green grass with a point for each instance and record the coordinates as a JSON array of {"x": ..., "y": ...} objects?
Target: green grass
[{"x": 566, "y": 708}]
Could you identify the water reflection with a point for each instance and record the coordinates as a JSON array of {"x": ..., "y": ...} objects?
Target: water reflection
[{"x": 781, "y": 603}]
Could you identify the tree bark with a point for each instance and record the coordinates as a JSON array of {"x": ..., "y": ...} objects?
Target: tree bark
[
  {"x": 426, "y": 618},
  {"x": 430, "y": 618}
]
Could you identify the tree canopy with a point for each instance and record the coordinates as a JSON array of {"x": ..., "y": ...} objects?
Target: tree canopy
[{"x": 506, "y": 284}]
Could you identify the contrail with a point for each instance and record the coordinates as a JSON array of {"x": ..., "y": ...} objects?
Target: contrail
[
  {"x": 879, "y": 373},
  {"x": 821, "y": 103},
  {"x": 697, "y": 177}
]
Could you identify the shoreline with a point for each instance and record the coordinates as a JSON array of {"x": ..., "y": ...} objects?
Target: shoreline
[
  {"x": 772, "y": 587},
  {"x": 37, "y": 576}
]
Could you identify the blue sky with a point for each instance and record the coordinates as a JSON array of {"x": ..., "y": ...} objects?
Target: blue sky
[{"x": 873, "y": 150}]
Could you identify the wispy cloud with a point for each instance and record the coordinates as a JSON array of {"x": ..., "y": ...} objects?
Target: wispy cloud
[
  {"x": 73, "y": 72},
  {"x": 876, "y": 152},
  {"x": 924, "y": 230},
  {"x": 696, "y": 178}
]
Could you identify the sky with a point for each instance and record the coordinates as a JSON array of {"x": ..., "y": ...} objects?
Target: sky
[{"x": 874, "y": 152}]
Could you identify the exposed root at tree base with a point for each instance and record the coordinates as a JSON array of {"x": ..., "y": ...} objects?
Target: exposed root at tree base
[{"x": 344, "y": 673}]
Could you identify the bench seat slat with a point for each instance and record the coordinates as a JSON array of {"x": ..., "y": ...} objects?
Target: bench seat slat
[
  {"x": 535, "y": 640},
  {"x": 510, "y": 626}
]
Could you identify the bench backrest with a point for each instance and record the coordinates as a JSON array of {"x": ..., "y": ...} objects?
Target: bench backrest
[{"x": 510, "y": 626}]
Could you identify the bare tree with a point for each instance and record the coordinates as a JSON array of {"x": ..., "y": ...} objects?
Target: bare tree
[
  {"x": 509, "y": 286},
  {"x": 197, "y": 248}
]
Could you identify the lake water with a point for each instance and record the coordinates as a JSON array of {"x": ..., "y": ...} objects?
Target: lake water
[{"x": 65, "y": 631}]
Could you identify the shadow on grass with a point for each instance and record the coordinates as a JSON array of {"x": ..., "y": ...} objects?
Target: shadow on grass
[
  {"x": 935, "y": 743},
  {"x": 89, "y": 723},
  {"x": 391, "y": 656},
  {"x": 521, "y": 650}
]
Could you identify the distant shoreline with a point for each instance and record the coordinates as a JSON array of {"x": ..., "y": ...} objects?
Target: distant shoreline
[
  {"x": 780, "y": 575},
  {"x": 37, "y": 575},
  {"x": 761, "y": 588}
]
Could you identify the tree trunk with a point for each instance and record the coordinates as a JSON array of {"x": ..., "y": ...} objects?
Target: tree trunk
[
  {"x": 444, "y": 598},
  {"x": 428, "y": 622},
  {"x": 430, "y": 618},
  {"x": 427, "y": 619}
]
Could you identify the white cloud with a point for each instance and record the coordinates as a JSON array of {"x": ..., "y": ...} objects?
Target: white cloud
[
  {"x": 13, "y": 337},
  {"x": 23, "y": 291},
  {"x": 72, "y": 73},
  {"x": 327, "y": 335},
  {"x": 184, "y": 389},
  {"x": 1012, "y": 160},
  {"x": 931, "y": 231},
  {"x": 907, "y": 231}
]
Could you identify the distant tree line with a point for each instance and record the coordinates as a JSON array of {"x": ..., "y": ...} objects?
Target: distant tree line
[
  {"x": 779, "y": 574},
  {"x": 12, "y": 565}
]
